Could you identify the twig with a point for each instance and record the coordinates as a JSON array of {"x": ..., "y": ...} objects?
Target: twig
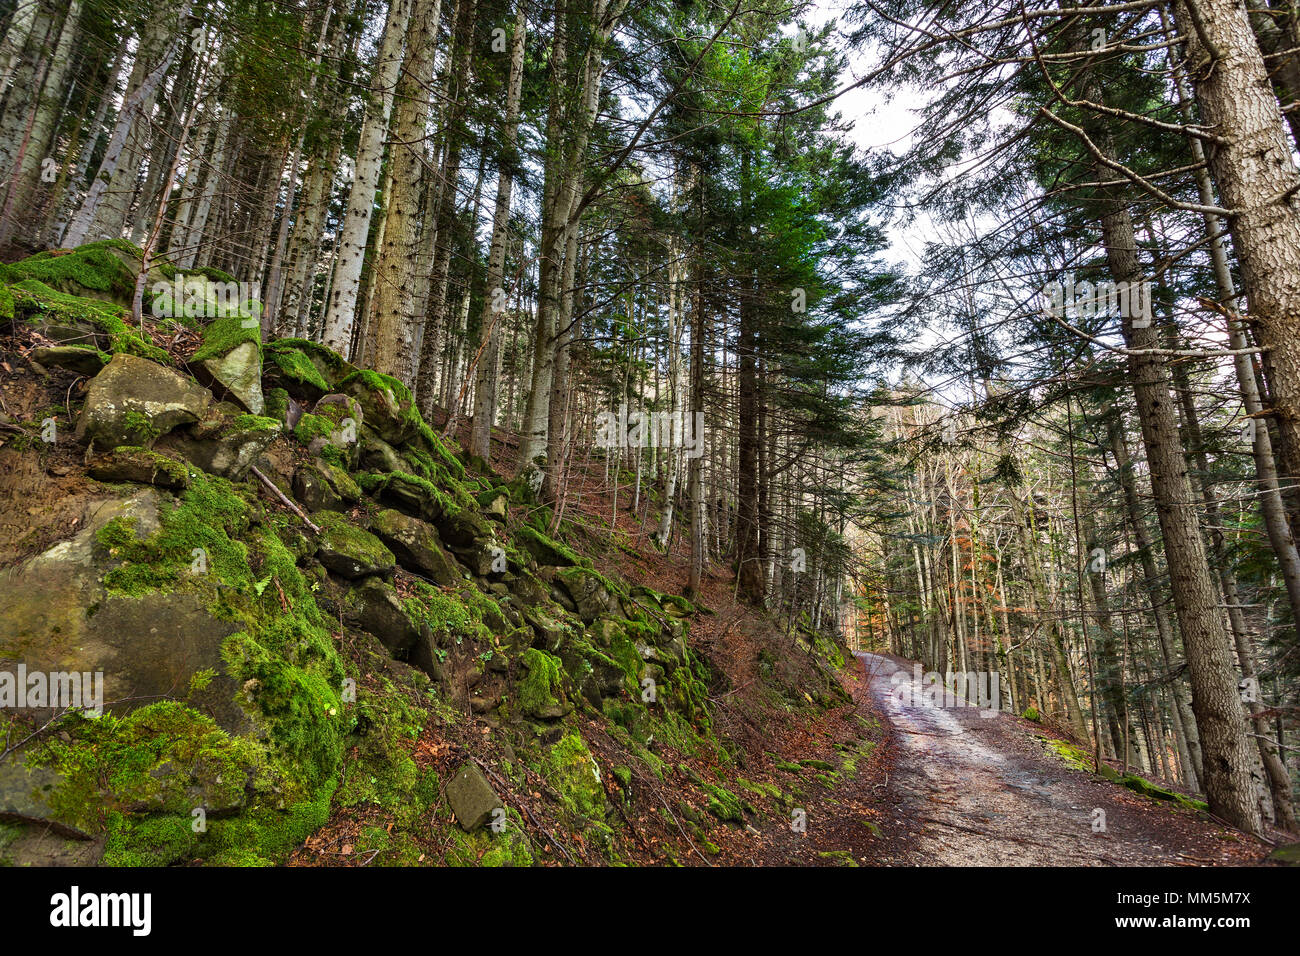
[{"x": 285, "y": 501}]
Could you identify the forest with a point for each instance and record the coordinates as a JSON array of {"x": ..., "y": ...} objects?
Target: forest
[{"x": 676, "y": 433}]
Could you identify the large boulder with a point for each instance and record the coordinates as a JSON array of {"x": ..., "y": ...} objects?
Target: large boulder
[
  {"x": 133, "y": 401},
  {"x": 417, "y": 546},
  {"x": 230, "y": 361},
  {"x": 57, "y": 616},
  {"x": 348, "y": 550}
]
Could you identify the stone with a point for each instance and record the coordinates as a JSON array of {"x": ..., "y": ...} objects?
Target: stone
[
  {"x": 314, "y": 490},
  {"x": 348, "y": 550},
  {"x": 56, "y": 615},
  {"x": 1285, "y": 855},
  {"x": 230, "y": 362},
  {"x": 225, "y": 442},
  {"x": 416, "y": 545},
  {"x": 133, "y": 401},
  {"x": 386, "y": 403},
  {"x": 74, "y": 358},
  {"x": 471, "y": 797},
  {"x": 590, "y": 596},
  {"x": 461, "y": 528},
  {"x": 141, "y": 465},
  {"x": 545, "y": 550},
  {"x": 374, "y": 607}
]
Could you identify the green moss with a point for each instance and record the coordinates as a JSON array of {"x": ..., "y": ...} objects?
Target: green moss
[
  {"x": 32, "y": 297},
  {"x": 92, "y": 267},
  {"x": 223, "y": 335},
  {"x": 1031, "y": 713},
  {"x": 724, "y": 804},
  {"x": 573, "y": 773},
  {"x": 510, "y": 847},
  {"x": 542, "y": 688},
  {"x": 296, "y": 367},
  {"x": 340, "y": 534},
  {"x": 311, "y": 426}
]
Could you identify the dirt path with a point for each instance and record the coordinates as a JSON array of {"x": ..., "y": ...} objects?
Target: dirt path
[{"x": 968, "y": 789}]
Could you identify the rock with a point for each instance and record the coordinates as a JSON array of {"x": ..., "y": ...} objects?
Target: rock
[
  {"x": 587, "y": 590},
  {"x": 74, "y": 358},
  {"x": 461, "y": 528},
  {"x": 303, "y": 368},
  {"x": 416, "y": 546},
  {"x": 314, "y": 490},
  {"x": 378, "y": 455},
  {"x": 482, "y": 558},
  {"x": 56, "y": 615},
  {"x": 548, "y": 631},
  {"x": 1286, "y": 855},
  {"x": 471, "y": 797},
  {"x": 348, "y": 550},
  {"x": 226, "y": 442},
  {"x": 141, "y": 465},
  {"x": 495, "y": 505},
  {"x": 410, "y": 495},
  {"x": 374, "y": 607},
  {"x": 544, "y": 550},
  {"x": 133, "y": 401},
  {"x": 386, "y": 403},
  {"x": 230, "y": 361}
]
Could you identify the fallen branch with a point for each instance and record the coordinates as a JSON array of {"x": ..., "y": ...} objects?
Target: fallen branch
[{"x": 283, "y": 500}]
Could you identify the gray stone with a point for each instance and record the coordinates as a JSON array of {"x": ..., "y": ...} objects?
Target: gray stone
[
  {"x": 74, "y": 358},
  {"x": 133, "y": 401},
  {"x": 348, "y": 550},
  {"x": 471, "y": 797},
  {"x": 416, "y": 546}
]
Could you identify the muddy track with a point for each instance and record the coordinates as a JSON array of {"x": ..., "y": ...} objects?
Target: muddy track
[{"x": 966, "y": 789}]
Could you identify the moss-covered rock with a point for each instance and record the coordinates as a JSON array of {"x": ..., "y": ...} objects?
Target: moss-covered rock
[
  {"x": 141, "y": 465},
  {"x": 133, "y": 401},
  {"x": 230, "y": 361},
  {"x": 348, "y": 550}
]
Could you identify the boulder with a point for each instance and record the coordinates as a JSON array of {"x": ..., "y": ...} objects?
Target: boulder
[
  {"x": 471, "y": 797},
  {"x": 141, "y": 465},
  {"x": 314, "y": 489},
  {"x": 230, "y": 361},
  {"x": 585, "y": 588},
  {"x": 74, "y": 358},
  {"x": 226, "y": 442},
  {"x": 462, "y": 528},
  {"x": 374, "y": 607},
  {"x": 386, "y": 404},
  {"x": 133, "y": 401},
  {"x": 57, "y": 616},
  {"x": 348, "y": 550},
  {"x": 416, "y": 546}
]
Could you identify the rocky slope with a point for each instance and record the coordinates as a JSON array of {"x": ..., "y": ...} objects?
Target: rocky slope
[{"x": 307, "y": 610}]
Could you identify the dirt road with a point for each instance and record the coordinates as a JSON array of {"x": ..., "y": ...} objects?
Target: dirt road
[{"x": 971, "y": 790}]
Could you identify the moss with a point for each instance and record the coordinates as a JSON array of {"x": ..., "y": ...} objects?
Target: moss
[
  {"x": 1069, "y": 754},
  {"x": 842, "y": 857},
  {"x": 543, "y": 687},
  {"x": 277, "y": 404},
  {"x": 1031, "y": 713},
  {"x": 296, "y": 367},
  {"x": 724, "y": 804},
  {"x": 285, "y": 660},
  {"x": 341, "y": 535},
  {"x": 33, "y": 297},
  {"x": 92, "y": 267},
  {"x": 311, "y": 426},
  {"x": 572, "y": 771},
  {"x": 510, "y": 847},
  {"x": 222, "y": 336}
]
